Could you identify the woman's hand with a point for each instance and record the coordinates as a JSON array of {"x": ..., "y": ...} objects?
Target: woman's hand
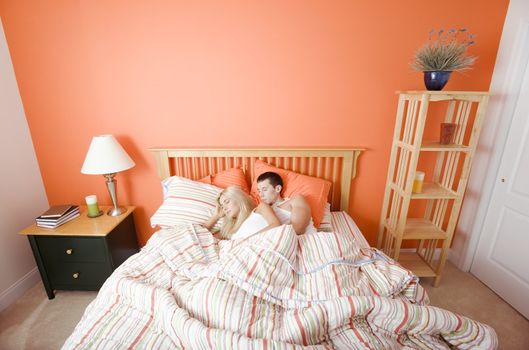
[{"x": 217, "y": 214}]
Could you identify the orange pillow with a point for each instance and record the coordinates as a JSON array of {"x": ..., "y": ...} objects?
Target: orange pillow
[
  {"x": 226, "y": 178},
  {"x": 314, "y": 190}
]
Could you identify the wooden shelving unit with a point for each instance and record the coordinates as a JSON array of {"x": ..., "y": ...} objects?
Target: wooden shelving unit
[{"x": 429, "y": 234}]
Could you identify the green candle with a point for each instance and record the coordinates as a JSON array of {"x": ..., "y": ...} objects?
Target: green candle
[{"x": 91, "y": 203}]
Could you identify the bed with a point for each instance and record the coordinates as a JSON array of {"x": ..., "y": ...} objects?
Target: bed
[{"x": 275, "y": 290}]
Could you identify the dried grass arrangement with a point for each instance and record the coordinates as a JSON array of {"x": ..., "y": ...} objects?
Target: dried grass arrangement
[{"x": 445, "y": 51}]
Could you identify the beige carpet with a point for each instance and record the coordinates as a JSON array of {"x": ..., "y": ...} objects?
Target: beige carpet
[
  {"x": 464, "y": 294},
  {"x": 34, "y": 322}
]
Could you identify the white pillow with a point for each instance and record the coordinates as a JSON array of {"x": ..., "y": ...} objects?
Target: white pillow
[{"x": 186, "y": 201}]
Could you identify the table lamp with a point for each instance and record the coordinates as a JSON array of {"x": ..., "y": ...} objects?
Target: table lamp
[{"x": 106, "y": 157}]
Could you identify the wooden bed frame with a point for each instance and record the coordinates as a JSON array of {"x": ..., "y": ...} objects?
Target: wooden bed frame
[{"x": 333, "y": 164}]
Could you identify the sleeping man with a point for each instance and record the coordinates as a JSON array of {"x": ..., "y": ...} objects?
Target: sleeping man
[{"x": 294, "y": 211}]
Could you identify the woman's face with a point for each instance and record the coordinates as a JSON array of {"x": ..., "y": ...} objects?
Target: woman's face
[{"x": 229, "y": 206}]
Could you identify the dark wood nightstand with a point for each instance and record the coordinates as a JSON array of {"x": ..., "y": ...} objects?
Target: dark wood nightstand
[{"x": 82, "y": 253}]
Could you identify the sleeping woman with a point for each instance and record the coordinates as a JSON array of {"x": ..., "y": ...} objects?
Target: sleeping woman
[{"x": 241, "y": 217}]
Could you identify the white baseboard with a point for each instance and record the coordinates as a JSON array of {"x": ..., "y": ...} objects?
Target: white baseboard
[
  {"x": 11, "y": 294},
  {"x": 455, "y": 258}
]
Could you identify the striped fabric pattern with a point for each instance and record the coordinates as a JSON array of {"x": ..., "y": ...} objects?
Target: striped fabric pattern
[
  {"x": 185, "y": 291},
  {"x": 342, "y": 222},
  {"x": 295, "y": 271},
  {"x": 186, "y": 201},
  {"x": 326, "y": 224}
]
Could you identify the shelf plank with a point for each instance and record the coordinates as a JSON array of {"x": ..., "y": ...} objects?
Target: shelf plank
[
  {"x": 474, "y": 96},
  {"x": 432, "y": 190},
  {"x": 412, "y": 261},
  {"x": 435, "y": 146},
  {"x": 447, "y": 93},
  {"x": 418, "y": 228}
]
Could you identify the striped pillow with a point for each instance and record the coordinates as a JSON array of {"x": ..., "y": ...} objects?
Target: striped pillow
[
  {"x": 326, "y": 224},
  {"x": 186, "y": 201}
]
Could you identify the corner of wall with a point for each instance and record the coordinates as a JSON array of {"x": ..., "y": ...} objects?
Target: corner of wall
[{"x": 23, "y": 195}]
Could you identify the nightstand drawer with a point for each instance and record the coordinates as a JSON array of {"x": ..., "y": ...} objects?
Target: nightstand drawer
[
  {"x": 71, "y": 249},
  {"x": 74, "y": 275}
]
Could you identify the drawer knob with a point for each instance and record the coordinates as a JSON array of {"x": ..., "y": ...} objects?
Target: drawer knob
[
  {"x": 75, "y": 275},
  {"x": 69, "y": 251}
]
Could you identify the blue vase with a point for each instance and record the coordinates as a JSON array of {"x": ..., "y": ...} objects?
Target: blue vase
[{"x": 436, "y": 80}]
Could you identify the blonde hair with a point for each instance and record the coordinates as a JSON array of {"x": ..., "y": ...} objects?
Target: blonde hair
[{"x": 246, "y": 205}]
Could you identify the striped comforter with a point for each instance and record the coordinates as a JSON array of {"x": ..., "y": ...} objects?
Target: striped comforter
[{"x": 273, "y": 290}]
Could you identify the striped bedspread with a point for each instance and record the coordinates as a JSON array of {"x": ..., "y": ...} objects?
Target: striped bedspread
[{"x": 274, "y": 290}]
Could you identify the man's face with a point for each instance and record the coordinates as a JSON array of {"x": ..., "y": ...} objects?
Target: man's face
[{"x": 268, "y": 193}]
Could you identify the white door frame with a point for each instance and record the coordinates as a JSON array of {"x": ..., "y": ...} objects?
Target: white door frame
[{"x": 512, "y": 58}]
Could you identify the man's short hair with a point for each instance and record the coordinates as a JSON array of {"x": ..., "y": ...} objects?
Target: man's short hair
[{"x": 272, "y": 177}]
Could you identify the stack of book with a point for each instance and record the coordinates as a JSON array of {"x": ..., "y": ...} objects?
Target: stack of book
[{"x": 58, "y": 215}]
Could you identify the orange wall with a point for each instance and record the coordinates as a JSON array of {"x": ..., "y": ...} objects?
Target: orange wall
[{"x": 225, "y": 73}]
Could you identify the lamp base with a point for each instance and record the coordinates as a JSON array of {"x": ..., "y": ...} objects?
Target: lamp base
[{"x": 117, "y": 211}]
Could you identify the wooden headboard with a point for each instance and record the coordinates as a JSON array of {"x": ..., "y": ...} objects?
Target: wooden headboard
[{"x": 336, "y": 165}]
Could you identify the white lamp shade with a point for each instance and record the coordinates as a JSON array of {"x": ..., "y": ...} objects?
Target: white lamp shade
[{"x": 106, "y": 156}]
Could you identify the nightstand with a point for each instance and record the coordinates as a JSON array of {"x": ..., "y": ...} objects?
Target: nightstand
[{"x": 82, "y": 253}]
